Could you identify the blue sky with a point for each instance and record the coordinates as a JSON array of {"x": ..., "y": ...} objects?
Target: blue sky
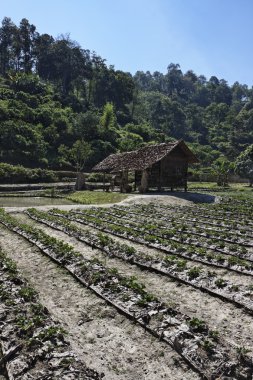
[{"x": 211, "y": 37}]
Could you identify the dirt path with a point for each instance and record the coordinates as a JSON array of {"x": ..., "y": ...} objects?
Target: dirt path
[
  {"x": 100, "y": 336},
  {"x": 232, "y": 322}
]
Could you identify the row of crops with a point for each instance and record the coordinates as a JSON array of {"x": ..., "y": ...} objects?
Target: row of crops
[
  {"x": 164, "y": 264},
  {"x": 189, "y": 245},
  {"x": 33, "y": 345},
  {"x": 235, "y": 257}
]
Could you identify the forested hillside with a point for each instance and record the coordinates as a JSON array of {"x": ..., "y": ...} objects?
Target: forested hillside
[{"x": 54, "y": 93}]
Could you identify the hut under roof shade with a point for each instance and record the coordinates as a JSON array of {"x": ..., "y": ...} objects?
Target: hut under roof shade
[{"x": 142, "y": 158}]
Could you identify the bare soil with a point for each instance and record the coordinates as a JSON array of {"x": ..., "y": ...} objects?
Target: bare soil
[
  {"x": 106, "y": 340},
  {"x": 100, "y": 336},
  {"x": 231, "y": 322}
]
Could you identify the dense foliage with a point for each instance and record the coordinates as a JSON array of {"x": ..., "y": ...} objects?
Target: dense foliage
[
  {"x": 244, "y": 164},
  {"x": 55, "y": 94},
  {"x": 19, "y": 174}
]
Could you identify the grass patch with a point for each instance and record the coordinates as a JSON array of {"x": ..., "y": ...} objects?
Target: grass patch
[
  {"x": 204, "y": 185},
  {"x": 240, "y": 191},
  {"x": 95, "y": 197}
]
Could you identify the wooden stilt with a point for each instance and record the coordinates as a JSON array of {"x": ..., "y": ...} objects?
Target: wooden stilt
[
  {"x": 121, "y": 182},
  {"x": 103, "y": 181},
  {"x": 160, "y": 177}
]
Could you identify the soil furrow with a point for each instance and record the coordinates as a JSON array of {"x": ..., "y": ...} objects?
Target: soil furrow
[
  {"x": 106, "y": 340},
  {"x": 232, "y": 323},
  {"x": 108, "y": 228}
]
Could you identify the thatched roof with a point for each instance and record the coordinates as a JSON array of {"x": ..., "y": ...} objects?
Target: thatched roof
[{"x": 142, "y": 158}]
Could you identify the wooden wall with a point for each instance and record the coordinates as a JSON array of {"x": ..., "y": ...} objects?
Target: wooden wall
[{"x": 170, "y": 172}]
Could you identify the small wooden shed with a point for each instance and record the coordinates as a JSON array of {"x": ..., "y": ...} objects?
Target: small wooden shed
[{"x": 154, "y": 166}]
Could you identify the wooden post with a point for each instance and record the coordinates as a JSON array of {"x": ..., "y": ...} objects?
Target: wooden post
[
  {"x": 112, "y": 184},
  {"x": 124, "y": 182},
  {"x": 121, "y": 182},
  {"x": 104, "y": 181},
  {"x": 144, "y": 181},
  {"x": 186, "y": 174},
  {"x": 160, "y": 177}
]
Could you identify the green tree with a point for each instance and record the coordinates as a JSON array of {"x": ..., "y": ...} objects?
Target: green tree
[
  {"x": 144, "y": 130},
  {"x": 86, "y": 125},
  {"x": 221, "y": 168},
  {"x": 100, "y": 150},
  {"x": 79, "y": 154},
  {"x": 244, "y": 164},
  {"x": 108, "y": 119},
  {"x": 108, "y": 124},
  {"x": 8, "y": 32},
  {"x": 76, "y": 156},
  {"x": 22, "y": 143},
  {"x": 174, "y": 79},
  {"x": 63, "y": 62},
  {"x": 129, "y": 141},
  {"x": 26, "y": 39}
]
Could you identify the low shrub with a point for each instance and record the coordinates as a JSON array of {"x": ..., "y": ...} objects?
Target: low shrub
[{"x": 20, "y": 174}]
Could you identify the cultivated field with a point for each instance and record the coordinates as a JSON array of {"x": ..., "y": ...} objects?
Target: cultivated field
[{"x": 151, "y": 288}]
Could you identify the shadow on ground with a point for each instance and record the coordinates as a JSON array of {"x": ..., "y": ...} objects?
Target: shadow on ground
[
  {"x": 195, "y": 197},
  {"x": 188, "y": 196}
]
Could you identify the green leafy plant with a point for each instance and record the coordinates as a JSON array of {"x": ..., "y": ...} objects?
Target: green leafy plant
[
  {"x": 197, "y": 325},
  {"x": 194, "y": 272},
  {"x": 214, "y": 334},
  {"x": 220, "y": 283},
  {"x": 208, "y": 346},
  {"x": 242, "y": 352},
  {"x": 27, "y": 293}
]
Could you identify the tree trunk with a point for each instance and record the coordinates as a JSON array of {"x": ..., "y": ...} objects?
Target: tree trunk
[{"x": 80, "y": 181}]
